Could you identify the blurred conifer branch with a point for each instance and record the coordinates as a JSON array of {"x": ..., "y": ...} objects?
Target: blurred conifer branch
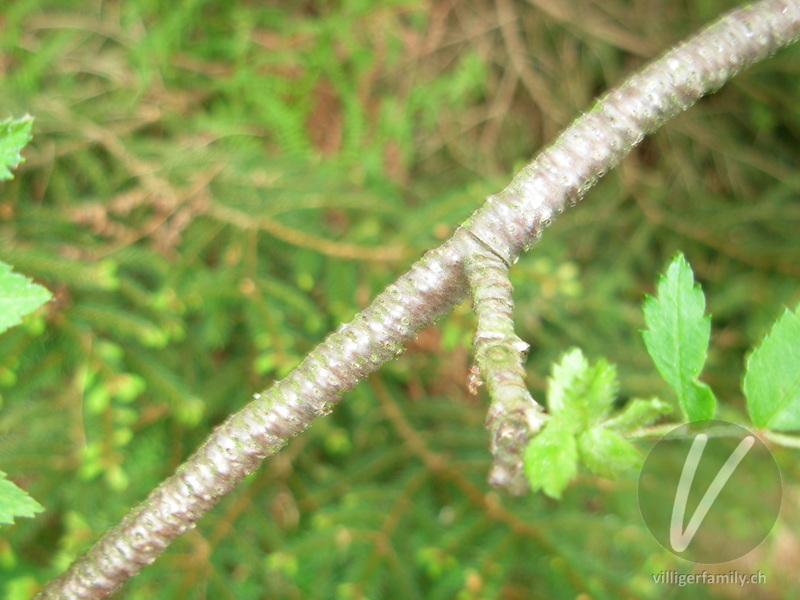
[{"x": 508, "y": 224}]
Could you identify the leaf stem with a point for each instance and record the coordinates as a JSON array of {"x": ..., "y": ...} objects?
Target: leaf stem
[{"x": 789, "y": 441}]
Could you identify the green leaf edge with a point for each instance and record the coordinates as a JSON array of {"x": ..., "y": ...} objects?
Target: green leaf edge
[
  {"x": 15, "y": 501},
  {"x": 765, "y": 357},
  {"x": 10, "y": 156}
]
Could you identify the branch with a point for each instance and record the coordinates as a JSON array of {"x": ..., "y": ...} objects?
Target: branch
[
  {"x": 514, "y": 416},
  {"x": 508, "y": 224}
]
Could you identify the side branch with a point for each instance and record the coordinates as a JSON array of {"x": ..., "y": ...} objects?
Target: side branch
[{"x": 514, "y": 416}]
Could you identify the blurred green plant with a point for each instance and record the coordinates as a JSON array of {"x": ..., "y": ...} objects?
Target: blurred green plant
[{"x": 213, "y": 187}]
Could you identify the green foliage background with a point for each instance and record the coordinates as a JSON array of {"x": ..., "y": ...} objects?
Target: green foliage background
[{"x": 214, "y": 186}]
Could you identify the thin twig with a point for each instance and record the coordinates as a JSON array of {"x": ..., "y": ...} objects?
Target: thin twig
[{"x": 514, "y": 416}]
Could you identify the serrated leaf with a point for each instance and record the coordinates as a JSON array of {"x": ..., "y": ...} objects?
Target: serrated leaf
[
  {"x": 606, "y": 453},
  {"x": 551, "y": 459},
  {"x": 638, "y": 413},
  {"x": 14, "y": 134},
  {"x": 14, "y": 502},
  {"x": 579, "y": 393},
  {"x": 772, "y": 376},
  {"x": 18, "y": 297},
  {"x": 677, "y": 338}
]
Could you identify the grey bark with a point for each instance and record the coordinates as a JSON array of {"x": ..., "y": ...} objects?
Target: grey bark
[
  {"x": 514, "y": 416},
  {"x": 507, "y": 225}
]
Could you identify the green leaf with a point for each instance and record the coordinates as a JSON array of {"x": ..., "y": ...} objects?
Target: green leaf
[
  {"x": 14, "y": 502},
  {"x": 14, "y": 134},
  {"x": 638, "y": 413},
  {"x": 699, "y": 396},
  {"x": 772, "y": 376},
  {"x": 579, "y": 393},
  {"x": 606, "y": 453},
  {"x": 551, "y": 459},
  {"x": 18, "y": 297},
  {"x": 677, "y": 338}
]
